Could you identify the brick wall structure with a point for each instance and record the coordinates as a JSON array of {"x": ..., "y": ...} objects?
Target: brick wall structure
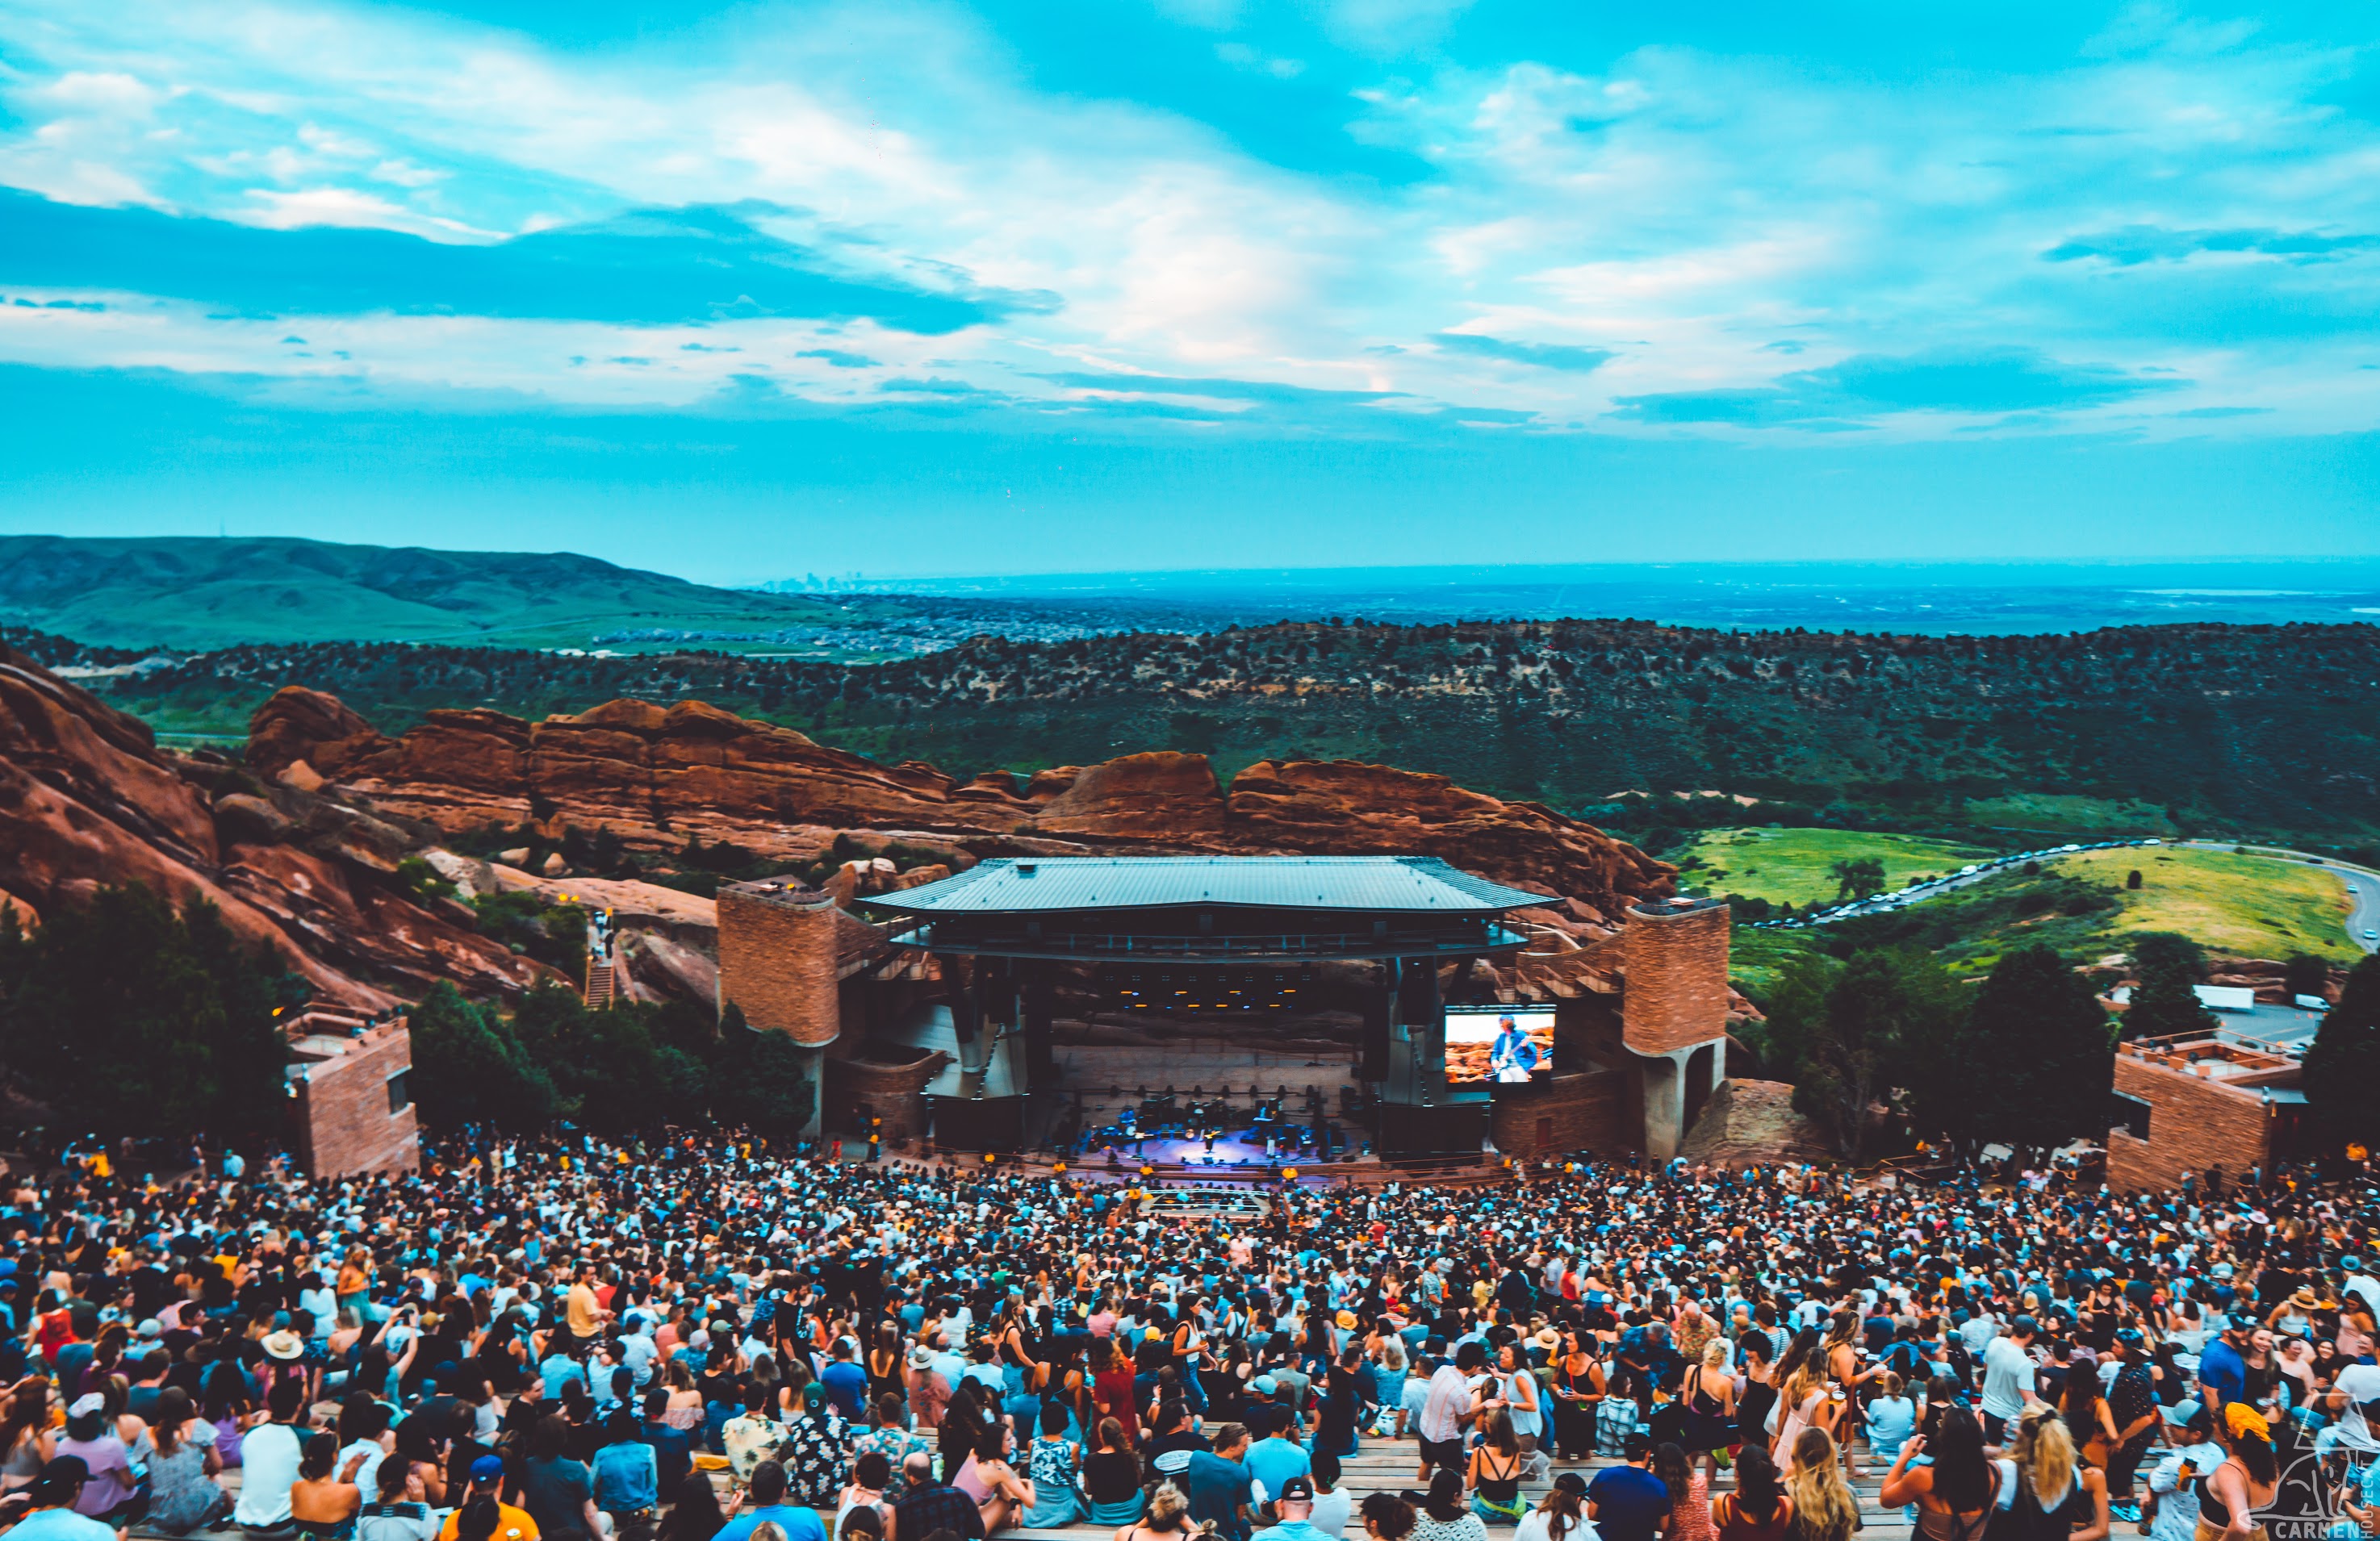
[
  {"x": 1675, "y": 961},
  {"x": 858, "y": 1090},
  {"x": 778, "y": 959},
  {"x": 1586, "y": 1110},
  {"x": 2207, "y": 1107},
  {"x": 345, "y": 1123}
]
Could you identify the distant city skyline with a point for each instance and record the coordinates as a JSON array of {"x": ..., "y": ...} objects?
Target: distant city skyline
[{"x": 745, "y": 291}]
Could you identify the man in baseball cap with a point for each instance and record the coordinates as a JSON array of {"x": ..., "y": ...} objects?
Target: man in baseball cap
[
  {"x": 53, "y": 1493},
  {"x": 1295, "y": 1503},
  {"x": 486, "y": 1482}
]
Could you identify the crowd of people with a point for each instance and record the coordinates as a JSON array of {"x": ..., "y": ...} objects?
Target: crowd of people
[{"x": 571, "y": 1341}]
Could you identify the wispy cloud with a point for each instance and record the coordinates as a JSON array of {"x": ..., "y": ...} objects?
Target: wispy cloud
[{"x": 1623, "y": 227}]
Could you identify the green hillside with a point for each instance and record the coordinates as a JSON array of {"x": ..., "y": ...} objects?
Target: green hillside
[
  {"x": 2083, "y": 906},
  {"x": 194, "y": 593},
  {"x": 1795, "y": 867}
]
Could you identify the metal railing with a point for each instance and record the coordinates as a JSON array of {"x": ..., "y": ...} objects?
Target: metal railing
[{"x": 1200, "y": 948}]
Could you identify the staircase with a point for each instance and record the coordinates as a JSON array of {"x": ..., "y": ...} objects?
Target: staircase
[{"x": 600, "y": 985}]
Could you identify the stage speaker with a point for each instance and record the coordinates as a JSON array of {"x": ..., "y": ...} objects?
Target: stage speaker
[{"x": 1446, "y": 1129}]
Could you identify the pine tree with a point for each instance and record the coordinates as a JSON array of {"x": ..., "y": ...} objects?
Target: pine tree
[
  {"x": 2051, "y": 1067},
  {"x": 2342, "y": 1067}
]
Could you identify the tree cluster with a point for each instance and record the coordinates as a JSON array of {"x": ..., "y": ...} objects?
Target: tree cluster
[
  {"x": 127, "y": 1017},
  {"x": 625, "y": 1068},
  {"x": 2342, "y": 1066},
  {"x": 2028, "y": 1058}
]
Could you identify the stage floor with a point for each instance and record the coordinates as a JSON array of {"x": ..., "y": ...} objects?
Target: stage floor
[{"x": 1227, "y": 1151}]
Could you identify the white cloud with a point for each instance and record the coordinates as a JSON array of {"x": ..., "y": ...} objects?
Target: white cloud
[{"x": 1687, "y": 209}]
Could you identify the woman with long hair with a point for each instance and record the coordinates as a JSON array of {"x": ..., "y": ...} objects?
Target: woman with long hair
[
  {"x": 1801, "y": 1397},
  {"x": 1168, "y": 1517},
  {"x": 1579, "y": 1388},
  {"x": 2084, "y": 1405},
  {"x": 2229, "y": 1495},
  {"x": 323, "y": 1501},
  {"x": 1494, "y": 1474},
  {"x": 1954, "y": 1495},
  {"x": 1386, "y": 1517},
  {"x": 1709, "y": 1394},
  {"x": 2053, "y": 1493},
  {"x": 1824, "y": 1508},
  {"x": 1758, "y": 1510},
  {"x": 25, "y": 1443},
  {"x": 1560, "y": 1515},
  {"x": 1443, "y": 1515},
  {"x": 1112, "y": 1389},
  {"x": 1690, "y": 1517},
  {"x": 183, "y": 1493},
  {"x": 1111, "y": 1478},
  {"x": 694, "y": 1512}
]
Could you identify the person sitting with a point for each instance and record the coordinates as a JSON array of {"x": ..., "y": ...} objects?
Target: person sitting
[
  {"x": 323, "y": 1501},
  {"x": 628, "y": 1473},
  {"x": 52, "y": 1517},
  {"x": 1053, "y": 1468},
  {"x": 399, "y": 1511},
  {"x": 769, "y": 1508}
]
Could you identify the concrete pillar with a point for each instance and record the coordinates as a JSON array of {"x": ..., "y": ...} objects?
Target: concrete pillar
[
  {"x": 1665, "y": 1105},
  {"x": 1039, "y": 1005}
]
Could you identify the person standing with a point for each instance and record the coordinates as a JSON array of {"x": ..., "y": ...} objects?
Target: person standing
[{"x": 2007, "y": 1378}]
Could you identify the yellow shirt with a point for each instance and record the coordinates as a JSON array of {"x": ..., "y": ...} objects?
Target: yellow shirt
[
  {"x": 512, "y": 1524},
  {"x": 585, "y": 1311}
]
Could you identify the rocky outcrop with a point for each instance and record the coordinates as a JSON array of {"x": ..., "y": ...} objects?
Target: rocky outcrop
[
  {"x": 88, "y": 800},
  {"x": 656, "y": 777},
  {"x": 1752, "y": 1122}
]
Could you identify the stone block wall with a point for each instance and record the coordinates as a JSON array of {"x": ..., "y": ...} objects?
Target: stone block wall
[
  {"x": 1675, "y": 995},
  {"x": 778, "y": 959},
  {"x": 2193, "y": 1123},
  {"x": 344, "y": 1124}
]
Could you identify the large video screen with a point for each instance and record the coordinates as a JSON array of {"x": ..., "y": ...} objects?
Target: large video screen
[{"x": 1499, "y": 1045}]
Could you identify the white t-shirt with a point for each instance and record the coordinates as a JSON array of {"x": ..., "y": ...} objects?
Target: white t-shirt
[
  {"x": 1538, "y": 1525},
  {"x": 2361, "y": 1384},
  {"x": 267, "y": 1461},
  {"x": 2007, "y": 1378},
  {"x": 1332, "y": 1510}
]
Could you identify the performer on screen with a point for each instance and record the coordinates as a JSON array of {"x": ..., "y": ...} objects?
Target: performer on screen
[{"x": 1512, "y": 1057}]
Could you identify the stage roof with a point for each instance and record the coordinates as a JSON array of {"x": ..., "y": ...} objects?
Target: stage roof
[{"x": 1010, "y": 885}]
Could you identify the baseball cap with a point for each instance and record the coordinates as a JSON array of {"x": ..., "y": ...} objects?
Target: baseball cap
[
  {"x": 2181, "y": 1415},
  {"x": 1297, "y": 1490},
  {"x": 1264, "y": 1384},
  {"x": 60, "y": 1481},
  {"x": 487, "y": 1468}
]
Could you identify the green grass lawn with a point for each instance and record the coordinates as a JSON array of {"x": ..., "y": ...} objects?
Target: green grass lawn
[
  {"x": 2250, "y": 906},
  {"x": 1792, "y": 865}
]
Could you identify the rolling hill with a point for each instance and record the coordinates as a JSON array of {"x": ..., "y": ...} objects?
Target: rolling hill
[{"x": 195, "y": 593}]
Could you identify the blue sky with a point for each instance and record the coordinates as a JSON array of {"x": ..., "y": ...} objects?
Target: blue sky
[{"x": 745, "y": 290}]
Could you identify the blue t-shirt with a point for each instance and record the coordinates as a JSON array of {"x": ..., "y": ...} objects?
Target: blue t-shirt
[
  {"x": 799, "y": 1525},
  {"x": 2224, "y": 1374},
  {"x": 846, "y": 1387},
  {"x": 1630, "y": 1502},
  {"x": 1216, "y": 1488},
  {"x": 1274, "y": 1462}
]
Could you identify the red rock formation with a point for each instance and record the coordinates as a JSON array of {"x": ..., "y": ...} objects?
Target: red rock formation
[
  {"x": 87, "y": 801},
  {"x": 654, "y": 776}
]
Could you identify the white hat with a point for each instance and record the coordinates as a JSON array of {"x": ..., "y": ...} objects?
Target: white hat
[{"x": 85, "y": 1405}]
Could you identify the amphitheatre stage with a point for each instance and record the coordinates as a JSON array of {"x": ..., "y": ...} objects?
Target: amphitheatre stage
[{"x": 1296, "y": 1008}]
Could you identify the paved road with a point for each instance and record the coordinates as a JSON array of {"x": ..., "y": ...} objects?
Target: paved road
[{"x": 2364, "y": 881}]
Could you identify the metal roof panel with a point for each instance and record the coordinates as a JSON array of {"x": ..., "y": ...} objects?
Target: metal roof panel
[{"x": 1008, "y": 884}]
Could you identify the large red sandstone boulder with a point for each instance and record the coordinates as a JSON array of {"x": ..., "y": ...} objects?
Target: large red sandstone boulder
[
  {"x": 656, "y": 777},
  {"x": 87, "y": 801}
]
